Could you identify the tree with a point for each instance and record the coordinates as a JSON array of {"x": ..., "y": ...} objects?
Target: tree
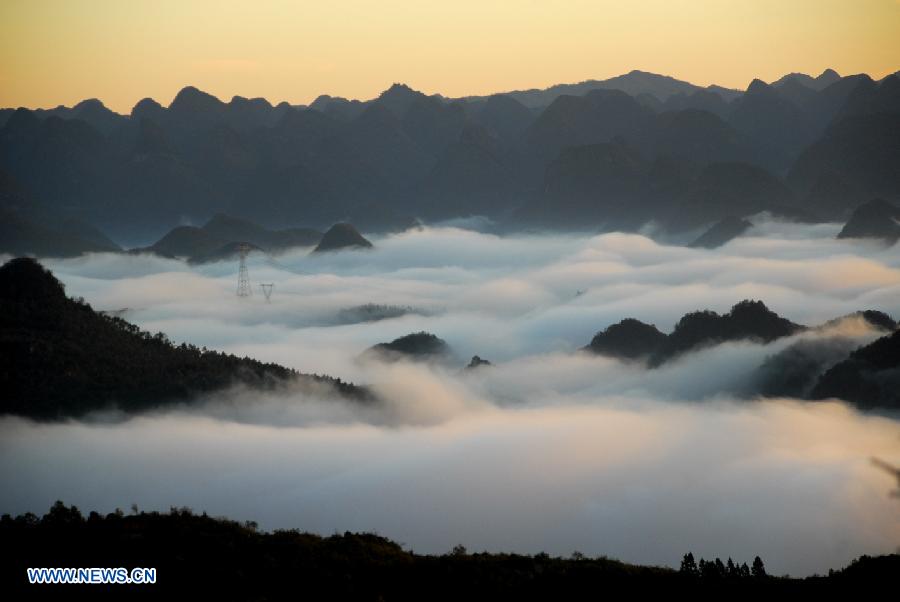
[
  {"x": 708, "y": 569},
  {"x": 759, "y": 569},
  {"x": 730, "y": 569},
  {"x": 720, "y": 568},
  {"x": 458, "y": 550},
  {"x": 59, "y": 514},
  {"x": 689, "y": 566}
]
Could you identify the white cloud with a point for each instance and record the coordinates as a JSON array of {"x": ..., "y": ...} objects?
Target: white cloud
[{"x": 548, "y": 450}]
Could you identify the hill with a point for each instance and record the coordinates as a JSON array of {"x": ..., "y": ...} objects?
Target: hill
[
  {"x": 29, "y": 227},
  {"x": 722, "y": 232},
  {"x": 636, "y": 82},
  {"x": 875, "y": 219},
  {"x": 856, "y": 157},
  {"x": 240, "y": 562},
  {"x": 63, "y": 359},
  {"x": 747, "y": 320},
  {"x": 628, "y": 339},
  {"x": 794, "y": 370},
  {"x": 342, "y": 236},
  {"x": 869, "y": 378},
  {"x": 20, "y": 235},
  {"x": 729, "y": 189},
  {"x": 233, "y": 229},
  {"x": 221, "y": 236},
  {"x": 417, "y": 346}
]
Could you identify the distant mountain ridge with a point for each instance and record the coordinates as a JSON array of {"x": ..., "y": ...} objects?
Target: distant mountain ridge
[
  {"x": 220, "y": 236},
  {"x": 636, "y": 82},
  {"x": 828, "y": 141}
]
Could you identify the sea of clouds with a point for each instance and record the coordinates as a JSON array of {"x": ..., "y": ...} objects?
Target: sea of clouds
[{"x": 548, "y": 450}]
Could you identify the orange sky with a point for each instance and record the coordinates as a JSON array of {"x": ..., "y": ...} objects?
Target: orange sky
[{"x": 62, "y": 51}]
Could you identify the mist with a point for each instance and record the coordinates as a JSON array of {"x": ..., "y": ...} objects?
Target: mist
[{"x": 550, "y": 449}]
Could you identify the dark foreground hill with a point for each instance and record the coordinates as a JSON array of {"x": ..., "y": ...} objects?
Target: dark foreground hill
[
  {"x": 62, "y": 358},
  {"x": 201, "y": 557}
]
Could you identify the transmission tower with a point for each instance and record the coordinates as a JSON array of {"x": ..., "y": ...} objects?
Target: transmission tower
[
  {"x": 267, "y": 291},
  {"x": 243, "y": 288}
]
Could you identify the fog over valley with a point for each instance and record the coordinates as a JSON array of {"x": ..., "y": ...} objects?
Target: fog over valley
[
  {"x": 549, "y": 447},
  {"x": 481, "y": 301}
]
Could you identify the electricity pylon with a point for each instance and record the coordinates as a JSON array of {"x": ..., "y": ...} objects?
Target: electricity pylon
[
  {"x": 243, "y": 288},
  {"x": 267, "y": 291}
]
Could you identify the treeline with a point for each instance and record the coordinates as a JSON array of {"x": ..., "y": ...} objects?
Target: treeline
[
  {"x": 716, "y": 569},
  {"x": 62, "y": 358},
  {"x": 196, "y": 554}
]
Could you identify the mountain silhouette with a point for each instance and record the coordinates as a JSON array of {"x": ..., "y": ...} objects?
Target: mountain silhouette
[
  {"x": 818, "y": 83},
  {"x": 20, "y": 235},
  {"x": 722, "y": 232},
  {"x": 221, "y": 236},
  {"x": 795, "y": 370},
  {"x": 857, "y": 154},
  {"x": 776, "y": 124},
  {"x": 629, "y": 339},
  {"x": 418, "y": 346},
  {"x": 874, "y": 219},
  {"x": 342, "y": 236},
  {"x": 591, "y": 186},
  {"x": 746, "y": 321},
  {"x": 598, "y": 116},
  {"x": 633, "y": 83},
  {"x": 417, "y": 156},
  {"x": 730, "y": 189},
  {"x": 869, "y": 378}
]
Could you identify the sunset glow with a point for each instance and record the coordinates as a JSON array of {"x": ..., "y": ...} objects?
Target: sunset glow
[{"x": 58, "y": 52}]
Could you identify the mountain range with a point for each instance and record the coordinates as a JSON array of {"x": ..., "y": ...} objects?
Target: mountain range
[
  {"x": 221, "y": 236},
  {"x": 595, "y": 155}
]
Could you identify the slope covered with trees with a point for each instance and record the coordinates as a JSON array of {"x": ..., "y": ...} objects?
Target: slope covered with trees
[
  {"x": 870, "y": 377},
  {"x": 62, "y": 358},
  {"x": 417, "y": 346},
  {"x": 200, "y": 556},
  {"x": 747, "y": 320}
]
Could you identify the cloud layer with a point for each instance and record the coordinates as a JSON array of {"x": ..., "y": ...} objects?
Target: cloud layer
[{"x": 549, "y": 449}]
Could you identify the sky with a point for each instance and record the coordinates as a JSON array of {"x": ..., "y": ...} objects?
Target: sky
[
  {"x": 548, "y": 449},
  {"x": 56, "y": 52}
]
